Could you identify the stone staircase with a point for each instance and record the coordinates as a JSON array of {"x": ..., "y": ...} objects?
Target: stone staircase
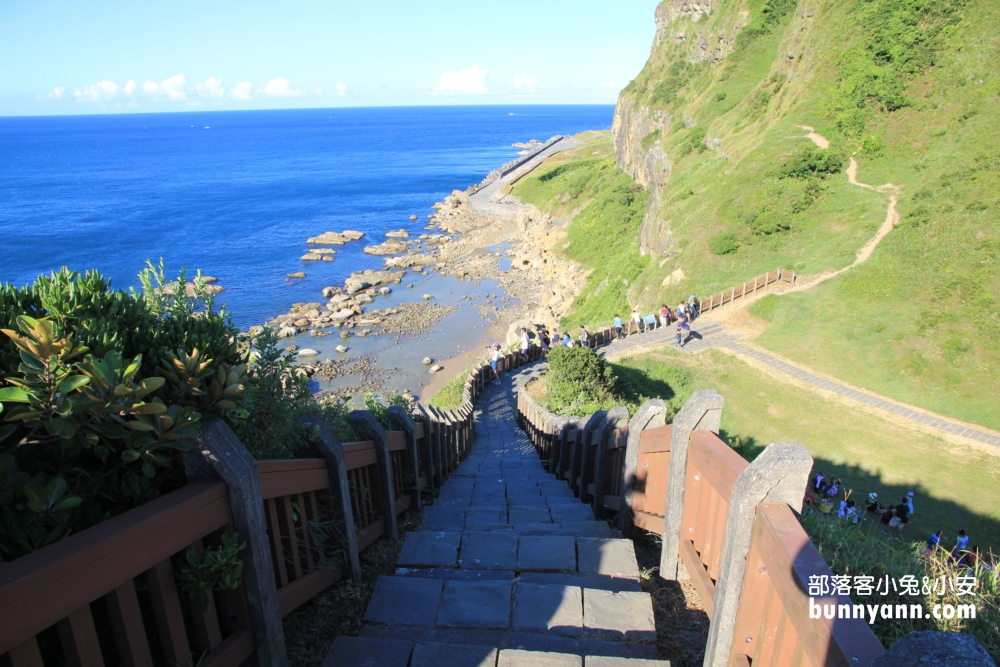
[
  {"x": 704, "y": 334},
  {"x": 508, "y": 569}
]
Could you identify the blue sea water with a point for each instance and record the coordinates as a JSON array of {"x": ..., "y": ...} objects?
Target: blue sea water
[{"x": 237, "y": 193}]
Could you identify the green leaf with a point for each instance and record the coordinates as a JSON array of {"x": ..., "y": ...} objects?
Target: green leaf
[
  {"x": 75, "y": 382},
  {"x": 14, "y": 395},
  {"x": 54, "y": 491},
  {"x": 6, "y": 430},
  {"x": 130, "y": 455},
  {"x": 150, "y": 409},
  {"x": 138, "y": 426}
]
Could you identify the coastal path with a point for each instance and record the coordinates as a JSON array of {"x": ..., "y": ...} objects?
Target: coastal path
[
  {"x": 710, "y": 334},
  {"x": 508, "y": 569},
  {"x": 489, "y": 200}
]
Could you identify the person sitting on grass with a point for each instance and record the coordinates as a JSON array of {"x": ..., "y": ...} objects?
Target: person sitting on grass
[
  {"x": 874, "y": 506},
  {"x": 834, "y": 489},
  {"x": 935, "y": 540},
  {"x": 962, "y": 541}
]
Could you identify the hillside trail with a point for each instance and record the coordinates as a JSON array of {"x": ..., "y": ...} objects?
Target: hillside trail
[{"x": 891, "y": 218}]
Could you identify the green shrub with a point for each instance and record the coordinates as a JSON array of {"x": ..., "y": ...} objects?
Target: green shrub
[
  {"x": 872, "y": 146},
  {"x": 336, "y": 414},
  {"x": 766, "y": 221},
  {"x": 765, "y": 15},
  {"x": 765, "y": 308},
  {"x": 650, "y": 139},
  {"x": 814, "y": 162},
  {"x": 101, "y": 392},
  {"x": 380, "y": 407},
  {"x": 724, "y": 244},
  {"x": 276, "y": 397},
  {"x": 578, "y": 381}
]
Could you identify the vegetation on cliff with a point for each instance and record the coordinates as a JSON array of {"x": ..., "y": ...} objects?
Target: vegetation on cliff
[{"x": 906, "y": 89}]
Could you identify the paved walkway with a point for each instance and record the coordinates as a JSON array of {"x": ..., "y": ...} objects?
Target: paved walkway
[
  {"x": 488, "y": 200},
  {"x": 508, "y": 569},
  {"x": 712, "y": 335}
]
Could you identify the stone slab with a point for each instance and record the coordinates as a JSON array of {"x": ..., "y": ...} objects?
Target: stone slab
[
  {"x": 489, "y": 550},
  {"x": 529, "y": 514},
  {"x": 595, "y": 581},
  {"x": 475, "y": 604},
  {"x": 512, "y": 657},
  {"x": 571, "y": 512},
  {"x": 453, "y": 655},
  {"x": 624, "y": 615},
  {"x": 430, "y": 549},
  {"x": 561, "y": 499},
  {"x": 608, "y": 661},
  {"x": 404, "y": 601},
  {"x": 489, "y": 501},
  {"x": 546, "y": 553},
  {"x": 599, "y": 555},
  {"x": 494, "y": 638},
  {"x": 368, "y": 652},
  {"x": 522, "y": 499},
  {"x": 448, "y": 574},
  {"x": 493, "y": 514},
  {"x": 531, "y": 641},
  {"x": 548, "y": 608}
]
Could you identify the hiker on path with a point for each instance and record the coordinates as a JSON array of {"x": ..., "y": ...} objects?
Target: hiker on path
[
  {"x": 664, "y": 312},
  {"x": 524, "y": 344},
  {"x": 683, "y": 333},
  {"x": 567, "y": 341},
  {"x": 618, "y": 326},
  {"x": 636, "y": 321},
  {"x": 584, "y": 336},
  {"x": 692, "y": 304},
  {"x": 494, "y": 361},
  {"x": 545, "y": 338},
  {"x": 681, "y": 312}
]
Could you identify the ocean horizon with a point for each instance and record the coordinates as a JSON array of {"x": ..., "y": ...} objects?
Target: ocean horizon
[{"x": 237, "y": 193}]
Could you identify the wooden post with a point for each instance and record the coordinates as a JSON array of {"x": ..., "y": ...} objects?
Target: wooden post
[
  {"x": 779, "y": 475},
  {"x": 702, "y": 411},
  {"x": 399, "y": 418},
  {"x": 615, "y": 419},
  {"x": 219, "y": 453},
  {"x": 365, "y": 425},
  {"x": 652, "y": 414},
  {"x": 329, "y": 447}
]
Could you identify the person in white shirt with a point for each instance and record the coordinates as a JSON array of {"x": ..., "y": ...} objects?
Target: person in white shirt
[
  {"x": 636, "y": 321},
  {"x": 524, "y": 344},
  {"x": 962, "y": 541},
  {"x": 494, "y": 362}
]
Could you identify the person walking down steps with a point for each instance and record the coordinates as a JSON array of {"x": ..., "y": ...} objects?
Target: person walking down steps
[{"x": 507, "y": 569}]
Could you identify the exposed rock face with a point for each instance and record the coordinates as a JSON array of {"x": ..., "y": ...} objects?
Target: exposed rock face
[
  {"x": 390, "y": 247},
  {"x": 333, "y": 238}
]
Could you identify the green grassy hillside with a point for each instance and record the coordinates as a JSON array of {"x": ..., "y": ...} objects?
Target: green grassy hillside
[{"x": 909, "y": 89}]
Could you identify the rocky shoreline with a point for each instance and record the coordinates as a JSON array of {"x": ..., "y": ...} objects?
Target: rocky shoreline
[{"x": 458, "y": 241}]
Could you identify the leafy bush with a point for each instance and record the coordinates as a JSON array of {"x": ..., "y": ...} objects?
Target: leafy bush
[
  {"x": 764, "y": 16},
  {"x": 724, "y": 244},
  {"x": 764, "y": 308},
  {"x": 811, "y": 162},
  {"x": 694, "y": 141},
  {"x": 579, "y": 382},
  {"x": 101, "y": 392},
  {"x": 380, "y": 407},
  {"x": 219, "y": 568},
  {"x": 336, "y": 414},
  {"x": 765, "y": 222},
  {"x": 277, "y": 396},
  {"x": 872, "y": 146}
]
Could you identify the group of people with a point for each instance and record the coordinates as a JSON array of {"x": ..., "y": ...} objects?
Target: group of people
[
  {"x": 683, "y": 315},
  {"x": 823, "y": 492}
]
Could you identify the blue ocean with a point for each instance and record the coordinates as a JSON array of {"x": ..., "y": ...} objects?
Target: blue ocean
[{"x": 237, "y": 193}]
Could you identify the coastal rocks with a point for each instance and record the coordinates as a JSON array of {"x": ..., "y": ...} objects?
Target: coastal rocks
[
  {"x": 408, "y": 261},
  {"x": 427, "y": 361},
  {"x": 345, "y": 334},
  {"x": 436, "y": 368},
  {"x": 399, "y": 234},
  {"x": 385, "y": 291},
  {"x": 514, "y": 331},
  {"x": 308, "y": 352},
  {"x": 330, "y": 291},
  {"x": 363, "y": 332},
  {"x": 342, "y": 314},
  {"x": 352, "y": 286},
  {"x": 287, "y": 332},
  {"x": 413, "y": 217},
  {"x": 341, "y": 349},
  {"x": 409, "y": 286},
  {"x": 296, "y": 274},
  {"x": 428, "y": 297},
  {"x": 333, "y": 238},
  {"x": 191, "y": 289},
  {"x": 390, "y": 247}
]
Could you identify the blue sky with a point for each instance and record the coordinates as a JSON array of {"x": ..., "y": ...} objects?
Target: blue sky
[{"x": 104, "y": 56}]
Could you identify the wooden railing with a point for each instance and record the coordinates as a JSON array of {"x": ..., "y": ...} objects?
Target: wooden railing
[
  {"x": 92, "y": 598},
  {"x": 771, "y": 616},
  {"x": 295, "y": 493},
  {"x": 63, "y": 584},
  {"x": 749, "y": 287}
]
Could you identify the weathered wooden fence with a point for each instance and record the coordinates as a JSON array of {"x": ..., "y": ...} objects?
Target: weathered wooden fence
[
  {"x": 108, "y": 595},
  {"x": 727, "y": 524},
  {"x": 739, "y": 291}
]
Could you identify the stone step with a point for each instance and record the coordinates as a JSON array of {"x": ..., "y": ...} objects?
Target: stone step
[{"x": 506, "y": 649}]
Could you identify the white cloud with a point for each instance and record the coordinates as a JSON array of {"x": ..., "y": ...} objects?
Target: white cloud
[
  {"x": 319, "y": 91},
  {"x": 129, "y": 87},
  {"x": 470, "y": 81},
  {"x": 174, "y": 87},
  {"x": 279, "y": 87},
  {"x": 341, "y": 90},
  {"x": 241, "y": 91},
  {"x": 211, "y": 89},
  {"x": 56, "y": 94},
  {"x": 525, "y": 83},
  {"x": 102, "y": 90},
  {"x": 612, "y": 85}
]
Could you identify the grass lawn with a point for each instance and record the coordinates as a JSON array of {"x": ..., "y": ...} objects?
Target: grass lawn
[{"x": 955, "y": 485}]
